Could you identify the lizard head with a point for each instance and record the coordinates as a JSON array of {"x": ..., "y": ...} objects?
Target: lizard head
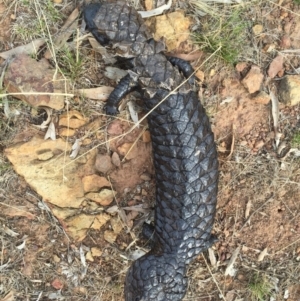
[{"x": 155, "y": 278}]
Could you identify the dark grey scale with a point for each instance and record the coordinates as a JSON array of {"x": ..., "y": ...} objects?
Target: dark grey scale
[{"x": 184, "y": 153}]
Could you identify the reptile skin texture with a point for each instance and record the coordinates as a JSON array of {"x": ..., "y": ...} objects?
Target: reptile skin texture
[{"x": 184, "y": 152}]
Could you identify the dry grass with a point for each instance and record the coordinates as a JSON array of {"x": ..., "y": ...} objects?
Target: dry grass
[{"x": 271, "y": 184}]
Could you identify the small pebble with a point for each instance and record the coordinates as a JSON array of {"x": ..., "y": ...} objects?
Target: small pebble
[
  {"x": 257, "y": 29},
  {"x": 116, "y": 159}
]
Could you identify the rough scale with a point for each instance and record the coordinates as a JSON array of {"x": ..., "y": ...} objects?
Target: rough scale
[{"x": 184, "y": 152}]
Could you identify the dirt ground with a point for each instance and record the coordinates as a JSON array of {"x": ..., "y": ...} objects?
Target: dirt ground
[{"x": 51, "y": 250}]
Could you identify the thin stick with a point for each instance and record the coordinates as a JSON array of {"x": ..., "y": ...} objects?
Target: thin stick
[
  {"x": 215, "y": 281},
  {"x": 287, "y": 246},
  {"x": 134, "y": 143},
  {"x": 292, "y": 12},
  {"x": 143, "y": 118},
  {"x": 37, "y": 93},
  {"x": 265, "y": 203}
]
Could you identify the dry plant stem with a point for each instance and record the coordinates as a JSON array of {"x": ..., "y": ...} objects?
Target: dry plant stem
[
  {"x": 295, "y": 241},
  {"x": 131, "y": 244},
  {"x": 37, "y": 93},
  {"x": 2, "y": 252},
  {"x": 284, "y": 8},
  {"x": 134, "y": 143},
  {"x": 214, "y": 279},
  {"x": 66, "y": 144},
  {"x": 146, "y": 115},
  {"x": 249, "y": 218},
  {"x": 111, "y": 187},
  {"x": 65, "y": 32},
  {"x": 232, "y": 143},
  {"x": 234, "y": 226},
  {"x": 13, "y": 207},
  {"x": 36, "y": 3}
]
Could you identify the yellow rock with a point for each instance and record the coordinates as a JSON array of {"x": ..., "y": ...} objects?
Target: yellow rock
[
  {"x": 257, "y": 29},
  {"x": 71, "y": 123},
  {"x": 56, "y": 258},
  {"x": 149, "y": 4},
  {"x": 173, "y": 27},
  {"x": 89, "y": 256},
  {"x": 96, "y": 252},
  {"x": 94, "y": 183},
  {"x": 116, "y": 224},
  {"x": 77, "y": 226},
  {"x": 72, "y": 119},
  {"x": 100, "y": 220},
  {"x": 59, "y": 181},
  {"x": 104, "y": 197},
  {"x": 59, "y": 186}
]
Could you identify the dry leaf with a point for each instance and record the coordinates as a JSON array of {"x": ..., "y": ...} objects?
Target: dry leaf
[
  {"x": 65, "y": 32},
  {"x": 136, "y": 254},
  {"x": 21, "y": 246},
  {"x": 9, "y": 297},
  {"x": 17, "y": 211},
  {"x": 106, "y": 56},
  {"x": 133, "y": 113},
  {"x": 295, "y": 152},
  {"x": 100, "y": 93},
  {"x": 75, "y": 148},
  {"x": 82, "y": 257},
  {"x": 227, "y": 100},
  {"x": 50, "y": 132},
  {"x": 248, "y": 207},
  {"x": 212, "y": 257},
  {"x": 262, "y": 255},
  {"x": 138, "y": 208},
  {"x": 132, "y": 215},
  {"x": 112, "y": 209},
  {"x": 9, "y": 231},
  {"x": 275, "y": 109},
  {"x": 275, "y": 115},
  {"x": 230, "y": 296},
  {"x": 156, "y": 11},
  {"x": 230, "y": 270},
  {"x": 30, "y": 48},
  {"x": 45, "y": 123},
  {"x": 193, "y": 56}
]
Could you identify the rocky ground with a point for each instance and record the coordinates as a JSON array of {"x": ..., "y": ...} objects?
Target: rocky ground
[{"x": 76, "y": 185}]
